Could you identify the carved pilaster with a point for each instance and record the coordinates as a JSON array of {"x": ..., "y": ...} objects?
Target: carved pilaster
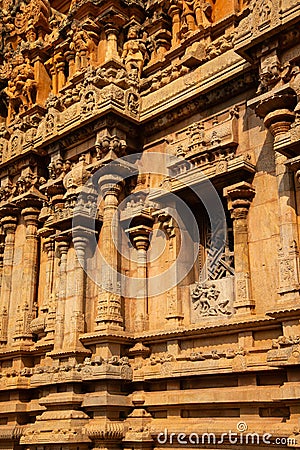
[
  {"x": 288, "y": 255},
  {"x": 63, "y": 243},
  {"x": 60, "y": 66},
  {"x": 277, "y": 110},
  {"x": 25, "y": 309},
  {"x": 109, "y": 298},
  {"x": 81, "y": 242},
  {"x": 111, "y": 43},
  {"x": 48, "y": 308},
  {"x": 239, "y": 198},
  {"x": 2, "y": 246},
  {"x": 174, "y": 304},
  {"x": 70, "y": 58},
  {"x": 139, "y": 236},
  {"x": 9, "y": 225},
  {"x": 174, "y": 12}
]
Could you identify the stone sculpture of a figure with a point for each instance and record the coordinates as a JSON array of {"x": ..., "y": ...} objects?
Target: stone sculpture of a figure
[{"x": 134, "y": 52}]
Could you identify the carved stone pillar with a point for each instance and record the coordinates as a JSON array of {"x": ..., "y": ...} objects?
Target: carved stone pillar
[
  {"x": 78, "y": 302},
  {"x": 63, "y": 243},
  {"x": 42, "y": 78},
  {"x": 239, "y": 198},
  {"x": 139, "y": 236},
  {"x": 53, "y": 72},
  {"x": 111, "y": 43},
  {"x": 174, "y": 12},
  {"x": 109, "y": 299},
  {"x": 60, "y": 69},
  {"x": 288, "y": 254},
  {"x": 29, "y": 278},
  {"x": 9, "y": 225},
  {"x": 2, "y": 245},
  {"x": 70, "y": 58},
  {"x": 44, "y": 324},
  {"x": 174, "y": 304},
  {"x": 277, "y": 110},
  {"x": 49, "y": 306}
]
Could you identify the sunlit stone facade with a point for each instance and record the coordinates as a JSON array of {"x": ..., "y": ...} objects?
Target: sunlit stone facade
[{"x": 149, "y": 229}]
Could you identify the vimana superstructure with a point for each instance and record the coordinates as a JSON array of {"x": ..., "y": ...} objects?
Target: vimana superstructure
[{"x": 149, "y": 224}]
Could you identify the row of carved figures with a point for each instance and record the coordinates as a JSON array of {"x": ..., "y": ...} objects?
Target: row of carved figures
[{"x": 75, "y": 45}]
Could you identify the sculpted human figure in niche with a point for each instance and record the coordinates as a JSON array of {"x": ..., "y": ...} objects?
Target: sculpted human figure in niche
[
  {"x": 265, "y": 10},
  {"x": 20, "y": 89},
  {"x": 203, "y": 12},
  {"x": 134, "y": 52},
  {"x": 84, "y": 46},
  {"x": 187, "y": 16}
]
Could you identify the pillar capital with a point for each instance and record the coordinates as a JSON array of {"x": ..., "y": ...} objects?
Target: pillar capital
[
  {"x": 111, "y": 184},
  {"x": 81, "y": 240},
  {"x": 111, "y": 29},
  {"x": 30, "y": 215},
  {"x": 31, "y": 219},
  {"x": 9, "y": 224},
  {"x": 239, "y": 197},
  {"x": 173, "y": 10},
  {"x": 276, "y": 109},
  {"x": 63, "y": 243},
  {"x": 139, "y": 237}
]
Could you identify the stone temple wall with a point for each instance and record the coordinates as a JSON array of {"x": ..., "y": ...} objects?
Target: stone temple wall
[{"x": 149, "y": 224}]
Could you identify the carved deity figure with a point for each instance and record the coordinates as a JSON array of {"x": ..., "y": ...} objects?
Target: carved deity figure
[
  {"x": 203, "y": 12},
  {"x": 85, "y": 48},
  {"x": 265, "y": 10},
  {"x": 134, "y": 51},
  {"x": 187, "y": 16},
  {"x": 205, "y": 298},
  {"x": 20, "y": 89}
]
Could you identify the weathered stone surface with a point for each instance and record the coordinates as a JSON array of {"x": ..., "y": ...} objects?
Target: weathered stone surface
[{"x": 149, "y": 223}]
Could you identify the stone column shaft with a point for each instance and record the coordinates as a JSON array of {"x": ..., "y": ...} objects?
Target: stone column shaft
[
  {"x": 49, "y": 247},
  {"x": 49, "y": 300},
  {"x": 70, "y": 57},
  {"x": 78, "y": 307},
  {"x": 29, "y": 278},
  {"x": 288, "y": 229},
  {"x": 176, "y": 25},
  {"x": 140, "y": 238},
  {"x": 239, "y": 198},
  {"x": 9, "y": 224},
  {"x": 63, "y": 247},
  {"x": 278, "y": 113},
  {"x": 111, "y": 44},
  {"x": 109, "y": 233},
  {"x": 174, "y": 305},
  {"x": 2, "y": 245},
  {"x": 53, "y": 72},
  {"x": 60, "y": 66},
  {"x": 109, "y": 299}
]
